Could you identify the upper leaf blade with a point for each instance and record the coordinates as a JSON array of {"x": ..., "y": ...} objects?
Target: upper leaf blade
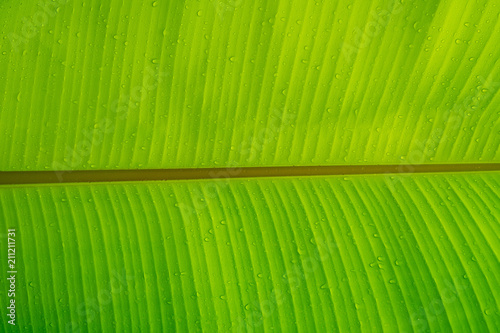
[{"x": 218, "y": 83}]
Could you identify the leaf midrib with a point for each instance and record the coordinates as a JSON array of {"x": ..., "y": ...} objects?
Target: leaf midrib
[{"x": 86, "y": 176}]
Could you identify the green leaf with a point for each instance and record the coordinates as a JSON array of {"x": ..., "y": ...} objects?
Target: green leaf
[
  {"x": 326, "y": 253},
  {"x": 133, "y": 85},
  {"x": 116, "y": 85}
]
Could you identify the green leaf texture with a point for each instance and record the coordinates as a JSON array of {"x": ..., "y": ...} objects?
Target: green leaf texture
[
  {"x": 371, "y": 253},
  {"x": 131, "y": 84},
  {"x": 167, "y": 84}
]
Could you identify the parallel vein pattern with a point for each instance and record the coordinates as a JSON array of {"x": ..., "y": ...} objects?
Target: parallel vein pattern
[
  {"x": 406, "y": 254},
  {"x": 213, "y": 83}
]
